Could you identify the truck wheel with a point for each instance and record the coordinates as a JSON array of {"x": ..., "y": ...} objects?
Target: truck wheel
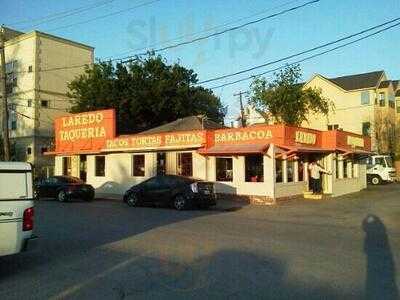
[
  {"x": 62, "y": 196},
  {"x": 375, "y": 180}
]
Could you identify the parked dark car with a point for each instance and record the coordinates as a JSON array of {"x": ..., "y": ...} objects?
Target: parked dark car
[
  {"x": 64, "y": 188},
  {"x": 176, "y": 191}
]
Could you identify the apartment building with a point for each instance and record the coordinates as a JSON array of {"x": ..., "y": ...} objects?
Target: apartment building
[
  {"x": 39, "y": 67},
  {"x": 367, "y": 104},
  {"x": 363, "y": 103}
]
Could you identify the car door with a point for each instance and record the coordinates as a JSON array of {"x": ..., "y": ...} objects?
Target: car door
[
  {"x": 157, "y": 190},
  {"x": 43, "y": 188},
  {"x": 53, "y": 186}
]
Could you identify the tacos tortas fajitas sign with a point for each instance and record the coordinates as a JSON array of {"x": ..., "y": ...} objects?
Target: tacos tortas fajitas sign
[{"x": 170, "y": 140}]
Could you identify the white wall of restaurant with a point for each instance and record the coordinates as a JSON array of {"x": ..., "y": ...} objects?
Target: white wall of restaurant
[{"x": 118, "y": 175}]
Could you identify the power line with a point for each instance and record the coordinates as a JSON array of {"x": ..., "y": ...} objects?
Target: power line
[
  {"x": 41, "y": 107},
  {"x": 307, "y": 58},
  {"x": 105, "y": 16},
  {"x": 301, "y": 53},
  {"x": 232, "y": 21},
  {"x": 63, "y": 14},
  {"x": 272, "y": 62},
  {"x": 127, "y": 59},
  {"x": 28, "y": 117}
]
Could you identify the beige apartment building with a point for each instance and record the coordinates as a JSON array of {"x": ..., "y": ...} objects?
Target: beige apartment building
[
  {"x": 39, "y": 67},
  {"x": 367, "y": 104},
  {"x": 363, "y": 104}
]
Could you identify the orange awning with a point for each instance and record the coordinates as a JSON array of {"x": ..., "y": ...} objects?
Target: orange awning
[{"x": 240, "y": 149}]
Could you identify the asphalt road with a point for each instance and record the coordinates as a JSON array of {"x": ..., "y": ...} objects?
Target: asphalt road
[{"x": 301, "y": 249}]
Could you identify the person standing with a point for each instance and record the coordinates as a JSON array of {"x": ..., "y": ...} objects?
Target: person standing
[{"x": 315, "y": 176}]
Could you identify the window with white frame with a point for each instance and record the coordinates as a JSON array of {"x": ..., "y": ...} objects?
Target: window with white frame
[
  {"x": 333, "y": 126},
  {"x": 382, "y": 99},
  {"x": 184, "y": 164},
  {"x": 138, "y": 165},
  {"x": 290, "y": 170},
  {"x": 254, "y": 168},
  {"x": 100, "y": 166},
  {"x": 365, "y": 98},
  {"x": 224, "y": 168},
  {"x": 278, "y": 170}
]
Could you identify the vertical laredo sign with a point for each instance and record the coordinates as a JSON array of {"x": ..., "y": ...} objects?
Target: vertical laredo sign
[{"x": 85, "y": 131}]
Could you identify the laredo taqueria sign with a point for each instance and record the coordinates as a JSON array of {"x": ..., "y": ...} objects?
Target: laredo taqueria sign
[
  {"x": 84, "y": 131},
  {"x": 173, "y": 140}
]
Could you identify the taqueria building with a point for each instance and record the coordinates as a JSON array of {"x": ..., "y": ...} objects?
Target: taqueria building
[{"x": 262, "y": 163}]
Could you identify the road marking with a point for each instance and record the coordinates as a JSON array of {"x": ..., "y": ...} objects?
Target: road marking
[{"x": 73, "y": 289}]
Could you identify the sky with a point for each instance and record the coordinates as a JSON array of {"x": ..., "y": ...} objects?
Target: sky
[{"x": 119, "y": 28}]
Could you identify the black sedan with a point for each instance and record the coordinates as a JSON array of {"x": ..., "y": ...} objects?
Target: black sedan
[
  {"x": 64, "y": 188},
  {"x": 176, "y": 191}
]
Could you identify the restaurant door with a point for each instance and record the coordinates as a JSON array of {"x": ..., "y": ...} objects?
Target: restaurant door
[
  {"x": 161, "y": 163},
  {"x": 82, "y": 167}
]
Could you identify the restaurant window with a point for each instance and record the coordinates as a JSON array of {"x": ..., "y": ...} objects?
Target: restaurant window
[
  {"x": 100, "y": 166},
  {"x": 138, "y": 165},
  {"x": 345, "y": 175},
  {"x": 224, "y": 169},
  {"x": 67, "y": 166},
  {"x": 300, "y": 170},
  {"x": 290, "y": 170},
  {"x": 278, "y": 170},
  {"x": 185, "y": 164},
  {"x": 337, "y": 167},
  {"x": 254, "y": 166}
]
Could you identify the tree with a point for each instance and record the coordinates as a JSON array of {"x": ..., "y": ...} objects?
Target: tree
[
  {"x": 145, "y": 93},
  {"x": 385, "y": 134},
  {"x": 285, "y": 99}
]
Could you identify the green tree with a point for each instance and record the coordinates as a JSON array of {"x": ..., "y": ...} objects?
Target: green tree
[
  {"x": 285, "y": 98},
  {"x": 145, "y": 93}
]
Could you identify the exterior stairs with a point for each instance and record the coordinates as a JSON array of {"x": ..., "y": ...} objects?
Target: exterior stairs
[{"x": 309, "y": 195}]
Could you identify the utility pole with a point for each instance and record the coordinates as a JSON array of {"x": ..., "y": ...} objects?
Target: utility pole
[
  {"x": 3, "y": 93},
  {"x": 242, "y": 115}
]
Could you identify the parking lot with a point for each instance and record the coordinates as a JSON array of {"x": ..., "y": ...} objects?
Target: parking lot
[{"x": 304, "y": 249}]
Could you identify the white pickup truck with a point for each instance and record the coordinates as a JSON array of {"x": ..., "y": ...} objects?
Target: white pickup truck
[{"x": 16, "y": 208}]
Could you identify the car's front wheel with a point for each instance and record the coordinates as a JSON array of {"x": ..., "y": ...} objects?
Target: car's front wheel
[
  {"x": 132, "y": 200},
  {"x": 62, "y": 196},
  {"x": 180, "y": 202}
]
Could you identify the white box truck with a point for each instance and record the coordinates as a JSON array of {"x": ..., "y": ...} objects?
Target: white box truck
[
  {"x": 16, "y": 208},
  {"x": 380, "y": 169}
]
